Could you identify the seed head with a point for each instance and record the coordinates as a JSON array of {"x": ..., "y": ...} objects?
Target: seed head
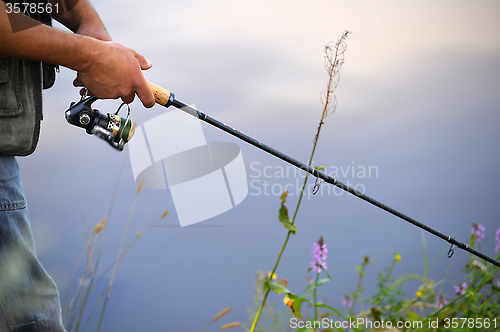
[
  {"x": 99, "y": 226},
  {"x": 230, "y": 325},
  {"x": 165, "y": 214},
  {"x": 221, "y": 314},
  {"x": 139, "y": 188}
]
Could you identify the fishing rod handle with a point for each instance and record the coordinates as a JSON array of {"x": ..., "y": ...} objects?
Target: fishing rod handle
[{"x": 162, "y": 96}]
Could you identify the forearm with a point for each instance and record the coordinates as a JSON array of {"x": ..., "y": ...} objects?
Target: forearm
[
  {"x": 83, "y": 19},
  {"x": 43, "y": 43},
  {"x": 108, "y": 69}
]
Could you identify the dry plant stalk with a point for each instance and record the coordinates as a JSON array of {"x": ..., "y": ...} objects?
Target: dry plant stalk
[
  {"x": 334, "y": 59},
  {"x": 75, "y": 310},
  {"x": 221, "y": 314}
]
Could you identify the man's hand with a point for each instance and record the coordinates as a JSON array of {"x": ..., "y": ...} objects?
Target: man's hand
[
  {"x": 115, "y": 71},
  {"x": 110, "y": 73},
  {"x": 107, "y": 69}
]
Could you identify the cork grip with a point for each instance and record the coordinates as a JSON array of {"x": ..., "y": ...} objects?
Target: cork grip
[{"x": 162, "y": 96}]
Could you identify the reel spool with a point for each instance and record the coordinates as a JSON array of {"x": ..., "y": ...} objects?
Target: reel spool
[{"x": 112, "y": 128}]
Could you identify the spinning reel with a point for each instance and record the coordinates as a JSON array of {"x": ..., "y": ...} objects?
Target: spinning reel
[{"x": 112, "y": 128}]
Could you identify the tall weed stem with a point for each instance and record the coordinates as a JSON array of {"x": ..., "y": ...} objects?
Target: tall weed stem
[
  {"x": 110, "y": 285},
  {"x": 334, "y": 59},
  {"x": 315, "y": 299}
]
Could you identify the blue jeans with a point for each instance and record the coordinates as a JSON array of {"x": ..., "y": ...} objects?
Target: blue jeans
[{"x": 29, "y": 300}]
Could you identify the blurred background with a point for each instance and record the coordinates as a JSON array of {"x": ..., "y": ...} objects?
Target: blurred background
[{"x": 418, "y": 104}]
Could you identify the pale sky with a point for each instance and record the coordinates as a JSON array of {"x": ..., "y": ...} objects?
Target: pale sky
[{"x": 418, "y": 98}]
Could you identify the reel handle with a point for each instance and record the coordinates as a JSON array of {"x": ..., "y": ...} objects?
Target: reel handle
[{"x": 162, "y": 96}]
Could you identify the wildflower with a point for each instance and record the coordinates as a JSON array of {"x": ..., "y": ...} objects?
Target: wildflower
[
  {"x": 441, "y": 302},
  {"x": 283, "y": 282},
  {"x": 260, "y": 276},
  {"x": 460, "y": 288},
  {"x": 497, "y": 241},
  {"x": 478, "y": 265},
  {"x": 273, "y": 276},
  {"x": 478, "y": 231},
  {"x": 293, "y": 302},
  {"x": 319, "y": 256},
  {"x": 397, "y": 257},
  {"x": 346, "y": 301},
  {"x": 418, "y": 294}
]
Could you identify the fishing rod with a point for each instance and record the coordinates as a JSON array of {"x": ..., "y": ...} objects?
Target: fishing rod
[{"x": 117, "y": 131}]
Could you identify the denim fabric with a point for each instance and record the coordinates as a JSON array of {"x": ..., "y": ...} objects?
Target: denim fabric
[{"x": 29, "y": 300}]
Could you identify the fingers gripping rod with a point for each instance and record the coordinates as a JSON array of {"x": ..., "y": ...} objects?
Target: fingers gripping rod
[{"x": 167, "y": 99}]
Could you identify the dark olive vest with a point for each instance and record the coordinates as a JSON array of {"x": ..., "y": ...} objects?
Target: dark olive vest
[{"x": 21, "y": 83}]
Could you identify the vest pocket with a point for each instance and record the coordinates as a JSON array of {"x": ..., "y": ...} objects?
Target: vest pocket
[{"x": 10, "y": 92}]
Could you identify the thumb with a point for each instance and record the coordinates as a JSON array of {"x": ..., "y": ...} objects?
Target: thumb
[
  {"x": 146, "y": 66},
  {"x": 143, "y": 62}
]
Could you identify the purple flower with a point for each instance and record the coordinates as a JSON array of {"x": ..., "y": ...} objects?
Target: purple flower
[
  {"x": 319, "y": 256},
  {"x": 460, "y": 288},
  {"x": 497, "y": 241},
  {"x": 478, "y": 231},
  {"x": 441, "y": 302},
  {"x": 346, "y": 301}
]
